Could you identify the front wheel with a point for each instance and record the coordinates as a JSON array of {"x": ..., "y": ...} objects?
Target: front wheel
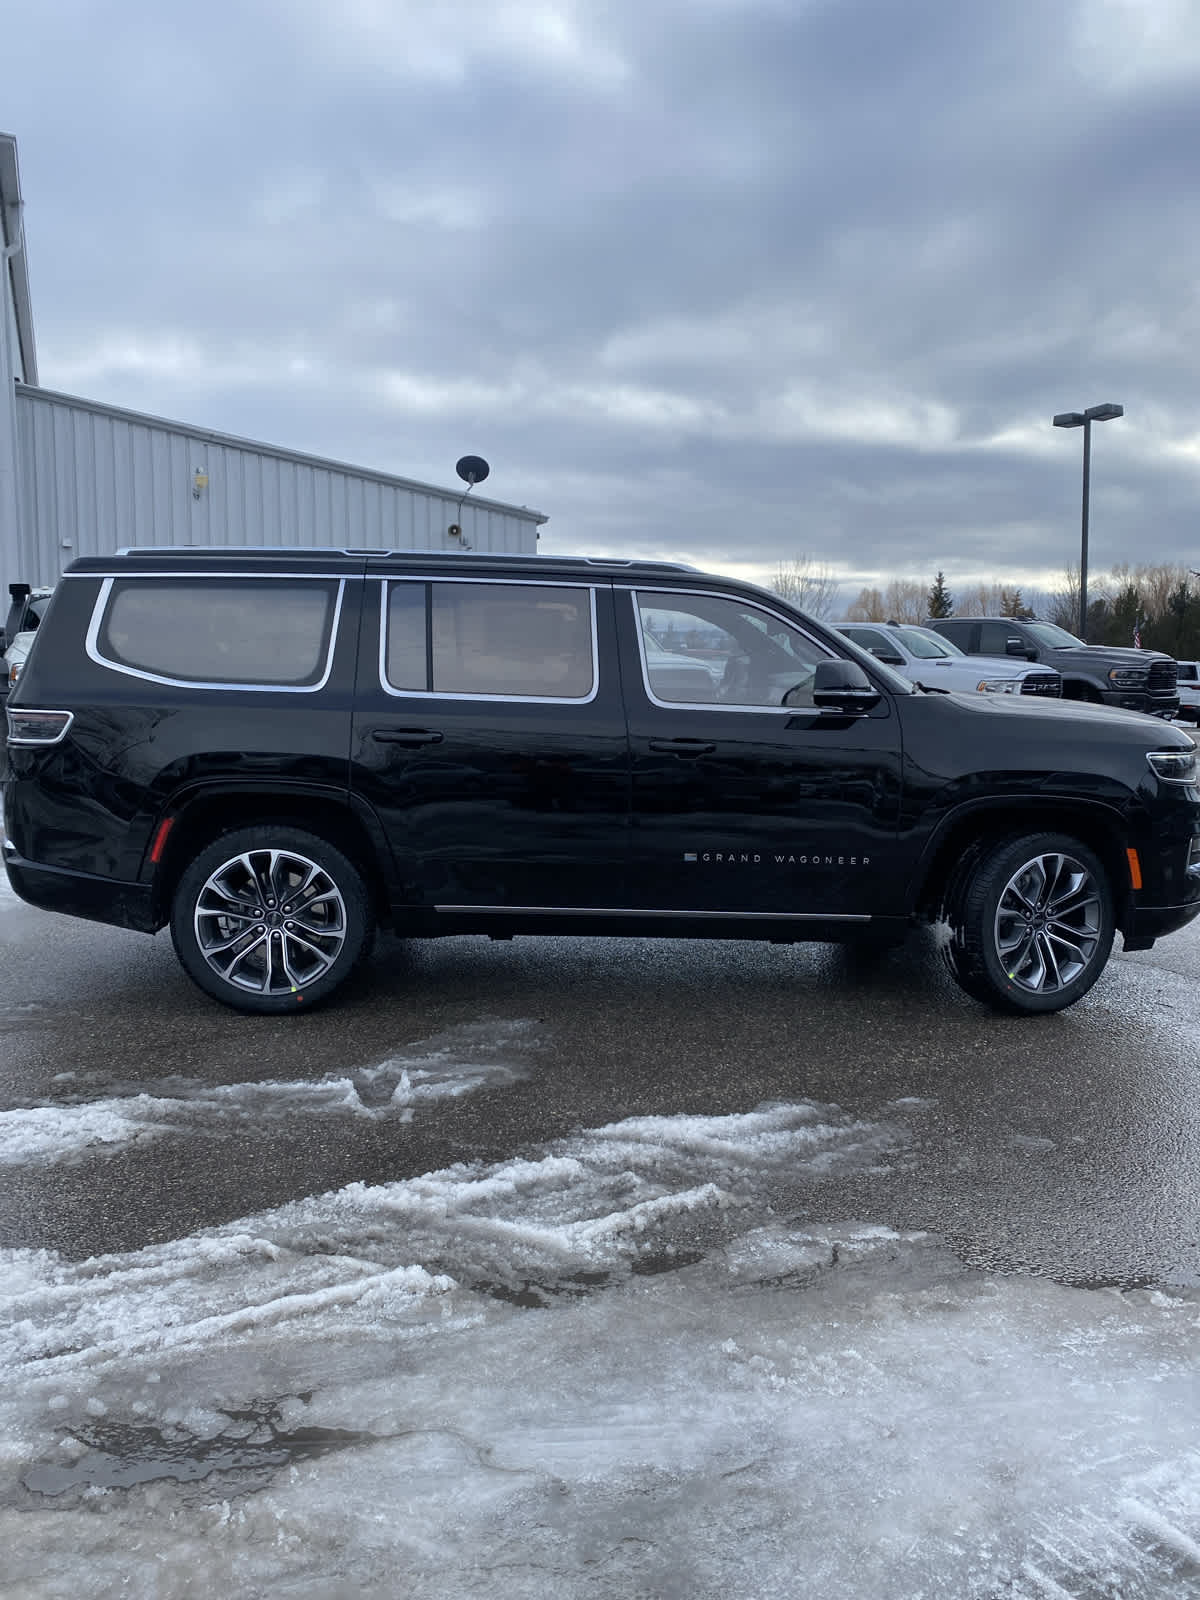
[
  {"x": 1033, "y": 924},
  {"x": 271, "y": 919}
]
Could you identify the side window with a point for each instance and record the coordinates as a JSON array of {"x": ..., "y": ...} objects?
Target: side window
[
  {"x": 245, "y": 632},
  {"x": 958, "y": 633},
  {"x": 869, "y": 639},
  {"x": 1187, "y": 672},
  {"x": 406, "y": 661},
  {"x": 497, "y": 640},
  {"x": 994, "y": 637},
  {"x": 710, "y": 650}
]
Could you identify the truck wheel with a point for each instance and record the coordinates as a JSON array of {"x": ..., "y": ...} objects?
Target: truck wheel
[
  {"x": 271, "y": 919},
  {"x": 1032, "y": 924}
]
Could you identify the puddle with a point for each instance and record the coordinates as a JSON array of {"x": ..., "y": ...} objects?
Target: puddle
[
  {"x": 121, "y": 1455},
  {"x": 536, "y": 1295}
]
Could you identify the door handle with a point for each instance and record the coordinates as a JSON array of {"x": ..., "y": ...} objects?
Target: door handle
[
  {"x": 682, "y": 747},
  {"x": 407, "y": 736}
]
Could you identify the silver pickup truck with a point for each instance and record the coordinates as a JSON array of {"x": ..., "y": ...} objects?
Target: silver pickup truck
[{"x": 933, "y": 662}]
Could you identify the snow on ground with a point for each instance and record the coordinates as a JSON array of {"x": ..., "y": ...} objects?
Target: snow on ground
[
  {"x": 605, "y": 1369},
  {"x": 72, "y": 1131}
]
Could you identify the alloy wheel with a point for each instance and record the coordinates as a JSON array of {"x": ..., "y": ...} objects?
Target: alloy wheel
[
  {"x": 270, "y": 921},
  {"x": 1049, "y": 922}
]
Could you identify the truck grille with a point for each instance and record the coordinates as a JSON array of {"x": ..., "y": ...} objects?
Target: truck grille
[
  {"x": 1162, "y": 677},
  {"x": 1042, "y": 683}
]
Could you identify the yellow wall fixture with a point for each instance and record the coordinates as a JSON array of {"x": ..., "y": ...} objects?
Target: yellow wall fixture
[{"x": 199, "y": 483}]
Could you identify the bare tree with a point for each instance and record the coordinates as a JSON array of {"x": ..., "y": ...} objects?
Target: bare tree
[
  {"x": 904, "y": 600},
  {"x": 983, "y": 600},
  {"x": 868, "y": 607},
  {"x": 808, "y": 584},
  {"x": 1064, "y": 601},
  {"x": 1155, "y": 584}
]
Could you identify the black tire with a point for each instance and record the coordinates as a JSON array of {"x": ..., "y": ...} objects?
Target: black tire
[
  {"x": 233, "y": 933},
  {"x": 1083, "y": 692},
  {"x": 1032, "y": 924}
]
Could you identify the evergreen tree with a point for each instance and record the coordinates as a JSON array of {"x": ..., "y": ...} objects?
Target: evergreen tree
[
  {"x": 1125, "y": 617},
  {"x": 941, "y": 601},
  {"x": 1012, "y": 605}
]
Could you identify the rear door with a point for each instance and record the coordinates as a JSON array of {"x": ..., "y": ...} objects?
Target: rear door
[
  {"x": 489, "y": 739},
  {"x": 961, "y": 632},
  {"x": 742, "y": 805}
]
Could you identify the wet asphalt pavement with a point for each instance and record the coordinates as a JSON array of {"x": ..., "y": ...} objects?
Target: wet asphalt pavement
[{"x": 1066, "y": 1146}]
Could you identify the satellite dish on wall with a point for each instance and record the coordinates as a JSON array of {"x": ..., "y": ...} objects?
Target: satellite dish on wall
[{"x": 472, "y": 469}]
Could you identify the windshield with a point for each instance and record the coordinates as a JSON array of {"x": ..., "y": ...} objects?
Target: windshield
[
  {"x": 926, "y": 645},
  {"x": 1050, "y": 633}
]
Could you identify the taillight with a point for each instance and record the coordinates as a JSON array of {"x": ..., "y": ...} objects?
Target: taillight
[{"x": 37, "y": 727}]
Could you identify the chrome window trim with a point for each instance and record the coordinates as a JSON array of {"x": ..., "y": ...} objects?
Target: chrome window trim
[
  {"x": 235, "y": 687},
  {"x": 522, "y": 580},
  {"x": 241, "y": 573},
  {"x": 531, "y": 582},
  {"x": 633, "y": 590},
  {"x": 665, "y": 911}
]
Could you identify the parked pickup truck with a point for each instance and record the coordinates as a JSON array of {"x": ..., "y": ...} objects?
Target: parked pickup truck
[
  {"x": 1189, "y": 691},
  {"x": 935, "y": 663},
  {"x": 1134, "y": 680}
]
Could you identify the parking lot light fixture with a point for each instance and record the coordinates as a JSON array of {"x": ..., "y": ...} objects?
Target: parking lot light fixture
[{"x": 1084, "y": 419}]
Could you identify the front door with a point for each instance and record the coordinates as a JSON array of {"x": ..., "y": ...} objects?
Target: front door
[
  {"x": 742, "y": 803},
  {"x": 489, "y": 740}
]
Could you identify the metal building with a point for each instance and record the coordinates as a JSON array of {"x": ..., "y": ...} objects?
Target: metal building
[{"x": 81, "y": 478}]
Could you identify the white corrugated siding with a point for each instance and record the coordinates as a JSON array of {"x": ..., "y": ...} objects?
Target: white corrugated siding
[{"x": 93, "y": 478}]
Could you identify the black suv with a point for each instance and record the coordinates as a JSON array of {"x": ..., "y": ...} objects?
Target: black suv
[
  {"x": 1135, "y": 680},
  {"x": 274, "y": 752}
]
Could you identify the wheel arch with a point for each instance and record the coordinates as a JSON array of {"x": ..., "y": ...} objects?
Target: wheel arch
[
  {"x": 964, "y": 836},
  {"x": 192, "y": 822},
  {"x": 1075, "y": 688}
]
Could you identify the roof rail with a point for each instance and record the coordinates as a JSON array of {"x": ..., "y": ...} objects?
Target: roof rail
[{"x": 467, "y": 558}]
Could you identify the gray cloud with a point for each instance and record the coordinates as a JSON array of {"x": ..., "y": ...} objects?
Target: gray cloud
[{"x": 728, "y": 279}]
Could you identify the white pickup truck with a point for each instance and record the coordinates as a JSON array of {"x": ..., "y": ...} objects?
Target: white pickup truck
[
  {"x": 1189, "y": 692},
  {"x": 934, "y": 663}
]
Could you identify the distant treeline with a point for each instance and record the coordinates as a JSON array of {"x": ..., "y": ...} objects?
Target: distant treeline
[{"x": 1156, "y": 605}]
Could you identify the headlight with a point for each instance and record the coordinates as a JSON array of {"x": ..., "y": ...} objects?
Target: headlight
[
  {"x": 1129, "y": 677},
  {"x": 999, "y": 686},
  {"x": 1173, "y": 766}
]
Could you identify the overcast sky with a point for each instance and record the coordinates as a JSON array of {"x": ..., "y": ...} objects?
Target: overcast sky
[{"x": 731, "y": 281}]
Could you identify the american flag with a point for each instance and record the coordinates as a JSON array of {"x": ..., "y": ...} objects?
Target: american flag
[{"x": 1137, "y": 637}]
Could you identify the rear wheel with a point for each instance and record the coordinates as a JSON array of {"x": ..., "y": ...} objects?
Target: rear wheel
[
  {"x": 271, "y": 919},
  {"x": 1032, "y": 924}
]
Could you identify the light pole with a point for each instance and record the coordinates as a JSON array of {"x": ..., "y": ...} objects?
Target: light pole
[{"x": 1084, "y": 420}]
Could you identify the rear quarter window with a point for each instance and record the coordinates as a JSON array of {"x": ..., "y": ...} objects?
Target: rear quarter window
[{"x": 236, "y": 632}]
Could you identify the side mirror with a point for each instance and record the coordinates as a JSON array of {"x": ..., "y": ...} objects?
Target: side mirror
[
  {"x": 1016, "y": 647},
  {"x": 887, "y": 656},
  {"x": 843, "y": 686}
]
